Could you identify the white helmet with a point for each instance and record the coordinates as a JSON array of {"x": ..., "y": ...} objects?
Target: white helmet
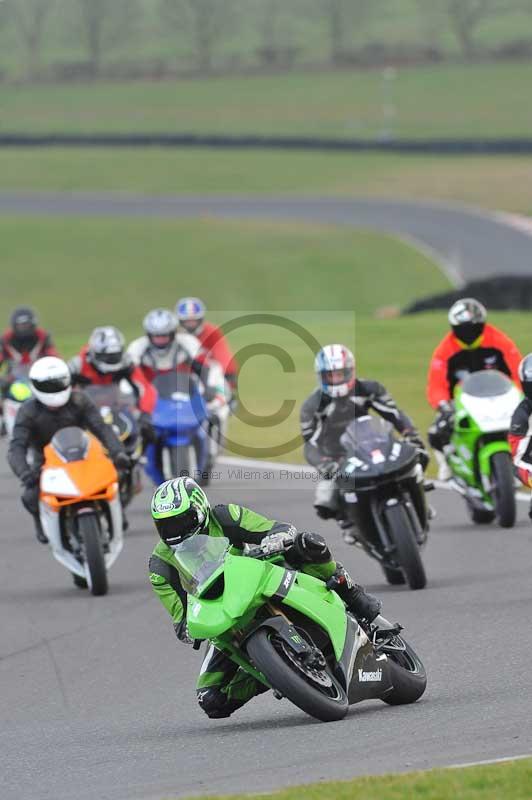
[
  {"x": 335, "y": 367},
  {"x": 160, "y": 326},
  {"x": 190, "y": 312},
  {"x": 51, "y": 382}
]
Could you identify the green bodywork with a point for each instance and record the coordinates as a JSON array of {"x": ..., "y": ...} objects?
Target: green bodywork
[{"x": 471, "y": 457}]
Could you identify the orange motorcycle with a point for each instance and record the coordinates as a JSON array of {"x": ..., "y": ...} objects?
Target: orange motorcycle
[{"x": 80, "y": 508}]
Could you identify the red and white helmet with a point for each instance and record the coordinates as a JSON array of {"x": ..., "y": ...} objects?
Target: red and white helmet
[
  {"x": 51, "y": 382},
  {"x": 335, "y": 368},
  {"x": 190, "y": 311}
]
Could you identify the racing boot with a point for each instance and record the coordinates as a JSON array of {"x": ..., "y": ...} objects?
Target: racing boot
[
  {"x": 364, "y": 606},
  {"x": 444, "y": 470}
]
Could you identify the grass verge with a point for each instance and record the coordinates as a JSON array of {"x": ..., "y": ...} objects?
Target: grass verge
[
  {"x": 491, "y": 182},
  {"x": 508, "y": 781},
  {"x": 433, "y": 101}
]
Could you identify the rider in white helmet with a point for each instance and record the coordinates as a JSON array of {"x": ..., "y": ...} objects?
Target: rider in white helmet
[
  {"x": 54, "y": 405},
  {"x": 164, "y": 348},
  {"x": 325, "y": 415}
]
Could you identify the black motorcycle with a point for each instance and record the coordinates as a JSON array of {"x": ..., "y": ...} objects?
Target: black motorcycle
[
  {"x": 382, "y": 493},
  {"x": 118, "y": 410}
]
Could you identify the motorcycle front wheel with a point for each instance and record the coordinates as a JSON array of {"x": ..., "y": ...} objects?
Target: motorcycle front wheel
[
  {"x": 316, "y": 692},
  {"x": 406, "y": 548},
  {"x": 503, "y": 489},
  {"x": 89, "y": 530}
]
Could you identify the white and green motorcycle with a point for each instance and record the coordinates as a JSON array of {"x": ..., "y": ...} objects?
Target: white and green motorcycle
[{"x": 479, "y": 454}]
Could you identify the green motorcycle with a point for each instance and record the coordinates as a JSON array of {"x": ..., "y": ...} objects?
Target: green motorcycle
[
  {"x": 290, "y": 632},
  {"x": 479, "y": 454}
]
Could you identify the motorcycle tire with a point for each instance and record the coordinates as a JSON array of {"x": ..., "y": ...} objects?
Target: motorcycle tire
[
  {"x": 181, "y": 461},
  {"x": 89, "y": 529},
  {"x": 503, "y": 489},
  {"x": 394, "y": 576},
  {"x": 408, "y": 674},
  {"x": 406, "y": 547},
  {"x": 265, "y": 649}
]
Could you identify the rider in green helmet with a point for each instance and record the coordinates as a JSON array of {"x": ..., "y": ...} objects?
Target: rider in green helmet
[{"x": 180, "y": 509}]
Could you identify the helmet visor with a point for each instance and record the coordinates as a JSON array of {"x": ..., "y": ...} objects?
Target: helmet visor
[
  {"x": 173, "y": 530},
  {"x": 191, "y": 325},
  {"x": 109, "y": 358},
  {"x": 161, "y": 341},
  {"x": 468, "y": 332},
  {"x": 51, "y": 385},
  {"x": 336, "y": 377}
]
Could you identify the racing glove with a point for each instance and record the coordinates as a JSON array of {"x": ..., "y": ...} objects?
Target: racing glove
[
  {"x": 147, "y": 431},
  {"x": 181, "y": 631},
  {"x": 277, "y": 542},
  {"x": 122, "y": 461},
  {"x": 328, "y": 468},
  {"x": 31, "y": 478}
]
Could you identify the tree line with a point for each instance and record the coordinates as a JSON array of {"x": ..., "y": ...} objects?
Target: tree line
[{"x": 209, "y": 34}]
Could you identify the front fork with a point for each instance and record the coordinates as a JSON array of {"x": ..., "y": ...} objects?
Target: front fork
[{"x": 485, "y": 454}]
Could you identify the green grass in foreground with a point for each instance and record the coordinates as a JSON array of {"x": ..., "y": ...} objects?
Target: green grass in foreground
[
  {"x": 435, "y": 101},
  {"x": 508, "y": 781},
  {"x": 493, "y": 182}
]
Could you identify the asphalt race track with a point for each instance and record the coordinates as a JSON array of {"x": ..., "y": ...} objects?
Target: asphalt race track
[
  {"x": 469, "y": 244},
  {"x": 96, "y": 695}
]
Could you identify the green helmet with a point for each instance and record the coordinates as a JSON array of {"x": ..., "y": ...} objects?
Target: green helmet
[{"x": 180, "y": 508}]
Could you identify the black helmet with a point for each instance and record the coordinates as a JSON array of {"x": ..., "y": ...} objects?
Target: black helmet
[
  {"x": 467, "y": 318},
  {"x": 525, "y": 375},
  {"x": 23, "y": 321}
]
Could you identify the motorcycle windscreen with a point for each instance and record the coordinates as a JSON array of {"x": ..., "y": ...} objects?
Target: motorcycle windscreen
[
  {"x": 198, "y": 559},
  {"x": 71, "y": 444},
  {"x": 487, "y": 383}
]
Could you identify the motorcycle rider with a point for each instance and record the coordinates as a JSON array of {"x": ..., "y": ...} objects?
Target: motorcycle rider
[
  {"x": 325, "y": 415},
  {"x": 470, "y": 346},
  {"x": 520, "y": 436},
  {"x": 180, "y": 509},
  {"x": 103, "y": 361},
  {"x": 21, "y": 345},
  {"x": 164, "y": 349},
  {"x": 53, "y": 406},
  {"x": 190, "y": 312}
]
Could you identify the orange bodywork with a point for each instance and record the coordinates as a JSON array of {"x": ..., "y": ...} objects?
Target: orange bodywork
[{"x": 95, "y": 476}]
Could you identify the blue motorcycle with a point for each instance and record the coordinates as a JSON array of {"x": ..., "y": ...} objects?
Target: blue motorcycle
[{"x": 180, "y": 419}]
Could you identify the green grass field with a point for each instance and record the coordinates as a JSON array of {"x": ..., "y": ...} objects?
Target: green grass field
[
  {"x": 508, "y": 781},
  {"x": 491, "y": 182},
  {"x": 430, "y": 102}
]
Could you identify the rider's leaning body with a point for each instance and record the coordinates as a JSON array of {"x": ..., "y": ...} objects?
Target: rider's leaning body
[{"x": 185, "y": 511}]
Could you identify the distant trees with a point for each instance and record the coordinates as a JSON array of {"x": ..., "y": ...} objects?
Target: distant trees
[
  {"x": 464, "y": 19},
  {"x": 205, "y": 22},
  {"x": 28, "y": 19},
  {"x": 104, "y": 24},
  {"x": 343, "y": 18}
]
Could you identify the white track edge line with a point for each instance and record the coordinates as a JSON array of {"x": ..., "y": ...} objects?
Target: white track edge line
[
  {"x": 300, "y": 469},
  {"x": 489, "y": 761}
]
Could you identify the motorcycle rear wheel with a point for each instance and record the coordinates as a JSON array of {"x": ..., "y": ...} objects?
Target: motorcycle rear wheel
[
  {"x": 407, "y": 550},
  {"x": 265, "y": 648},
  {"x": 89, "y": 529},
  {"x": 409, "y": 676}
]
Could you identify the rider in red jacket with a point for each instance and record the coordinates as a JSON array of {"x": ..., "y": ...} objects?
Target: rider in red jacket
[
  {"x": 24, "y": 342},
  {"x": 470, "y": 346},
  {"x": 190, "y": 312},
  {"x": 103, "y": 361}
]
